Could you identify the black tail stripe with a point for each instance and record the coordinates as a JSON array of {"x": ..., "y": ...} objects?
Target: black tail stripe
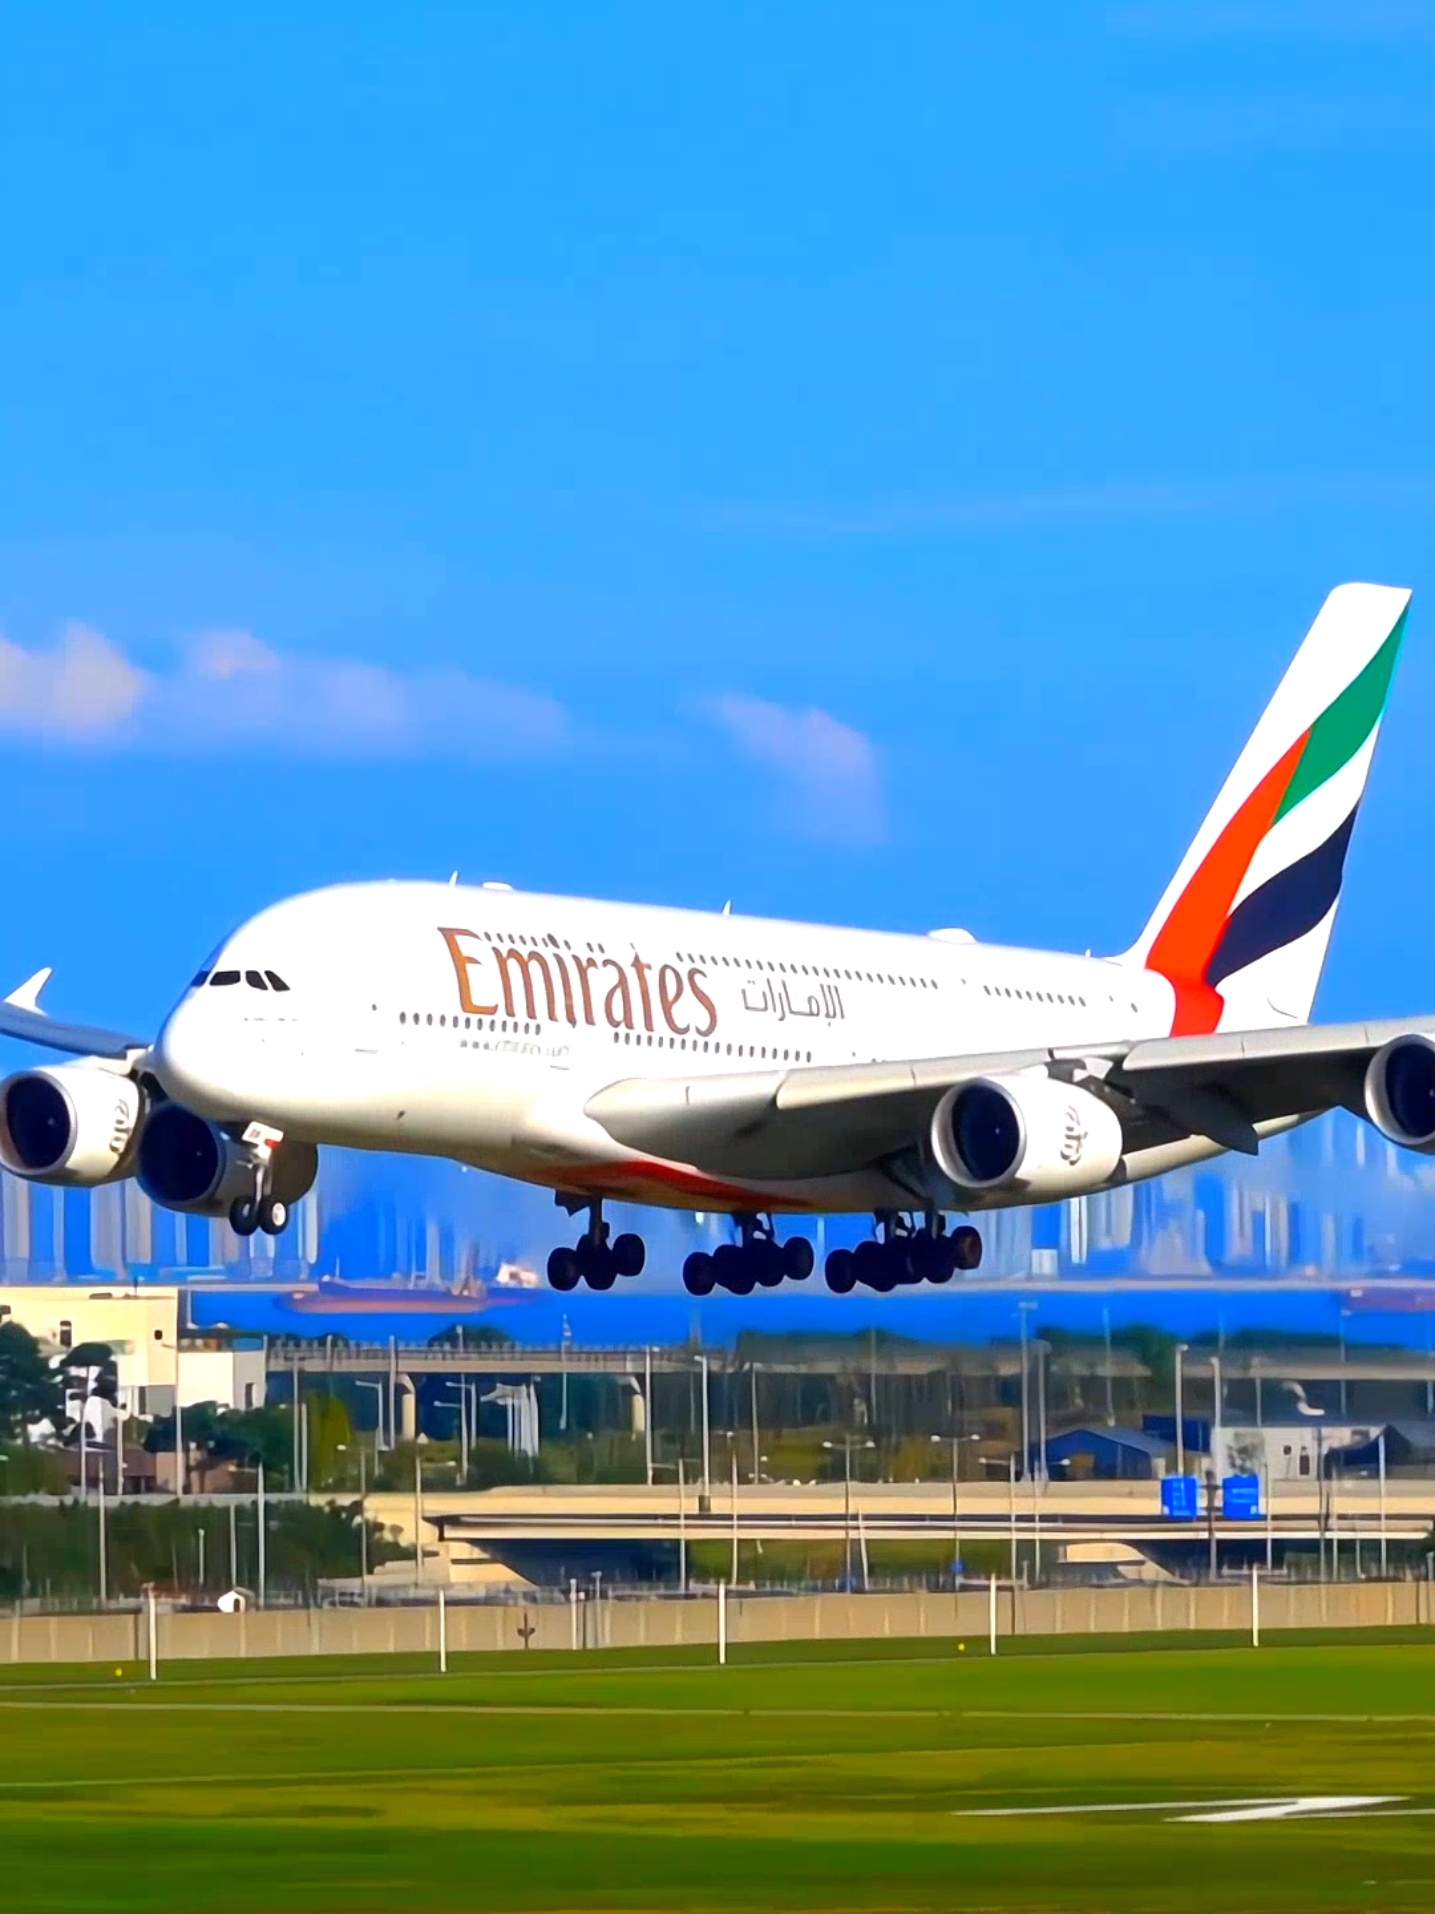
[{"x": 1284, "y": 908}]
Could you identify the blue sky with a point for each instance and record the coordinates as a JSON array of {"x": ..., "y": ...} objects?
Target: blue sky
[{"x": 869, "y": 464}]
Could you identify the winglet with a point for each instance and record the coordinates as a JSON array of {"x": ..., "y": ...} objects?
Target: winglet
[{"x": 27, "y": 997}]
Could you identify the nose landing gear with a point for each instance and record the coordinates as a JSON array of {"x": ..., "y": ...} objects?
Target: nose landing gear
[
  {"x": 594, "y": 1259},
  {"x": 261, "y": 1209}
]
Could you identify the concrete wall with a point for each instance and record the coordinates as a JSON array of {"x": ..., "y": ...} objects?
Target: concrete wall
[{"x": 666, "y": 1623}]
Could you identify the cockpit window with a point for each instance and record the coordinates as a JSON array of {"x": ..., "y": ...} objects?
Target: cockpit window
[
  {"x": 220, "y": 977},
  {"x": 254, "y": 980},
  {"x": 201, "y": 979},
  {"x": 276, "y": 982}
]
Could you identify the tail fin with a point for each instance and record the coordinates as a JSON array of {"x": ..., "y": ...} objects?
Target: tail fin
[{"x": 1242, "y": 929}]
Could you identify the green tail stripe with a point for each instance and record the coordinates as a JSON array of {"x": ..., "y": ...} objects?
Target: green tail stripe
[{"x": 1343, "y": 726}]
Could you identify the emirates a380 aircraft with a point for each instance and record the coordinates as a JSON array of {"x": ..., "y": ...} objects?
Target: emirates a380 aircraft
[{"x": 761, "y": 1068}]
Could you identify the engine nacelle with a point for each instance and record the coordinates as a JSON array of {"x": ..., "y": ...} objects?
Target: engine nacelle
[
  {"x": 1400, "y": 1092},
  {"x": 185, "y": 1162},
  {"x": 1032, "y": 1136},
  {"x": 70, "y": 1123}
]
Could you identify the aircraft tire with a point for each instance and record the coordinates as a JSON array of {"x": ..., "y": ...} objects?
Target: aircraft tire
[
  {"x": 698, "y": 1274},
  {"x": 244, "y": 1216},
  {"x": 563, "y": 1268},
  {"x": 966, "y": 1247},
  {"x": 840, "y": 1273},
  {"x": 797, "y": 1259},
  {"x": 629, "y": 1254}
]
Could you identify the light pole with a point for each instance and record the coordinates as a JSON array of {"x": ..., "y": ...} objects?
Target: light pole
[
  {"x": 378, "y": 1389},
  {"x": 956, "y": 1527},
  {"x": 1106, "y": 1334},
  {"x": 1043, "y": 1349},
  {"x": 363, "y": 1518},
  {"x": 1022, "y": 1309},
  {"x": 1343, "y": 1313},
  {"x": 200, "y": 1536},
  {"x": 846, "y": 1445},
  {"x": 707, "y": 1431},
  {"x": 1181, "y": 1349}
]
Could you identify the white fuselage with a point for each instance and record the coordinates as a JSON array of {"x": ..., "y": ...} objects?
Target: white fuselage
[{"x": 476, "y": 1023}]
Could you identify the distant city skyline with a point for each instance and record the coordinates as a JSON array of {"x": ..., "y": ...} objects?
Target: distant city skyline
[{"x": 1331, "y": 1198}]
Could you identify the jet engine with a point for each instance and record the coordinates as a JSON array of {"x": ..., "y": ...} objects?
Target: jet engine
[
  {"x": 1400, "y": 1092},
  {"x": 1031, "y": 1136},
  {"x": 185, "y": 1162},
  {"x": 70, "y": 1123}
]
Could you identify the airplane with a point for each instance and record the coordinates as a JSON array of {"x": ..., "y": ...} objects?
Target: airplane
[{"x": 759, "y": 1068}]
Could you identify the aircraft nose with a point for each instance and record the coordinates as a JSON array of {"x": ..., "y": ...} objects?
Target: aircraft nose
[{"x": 190, "y": 1062}]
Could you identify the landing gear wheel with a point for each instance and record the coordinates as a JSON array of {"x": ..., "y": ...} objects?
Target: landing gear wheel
[
  {"x": 563, "y": 1268},
  {"x": 273, "y": 1216},
  {"x": 596, "y": 1265},
  {"x": 733, "y": 1270},
  {"x": 244, "y": 1216},
  {"x": 698, "y": 1276},
  {"x": 841, "y": 1272},
  {"x": 764, "y": 1259},
  {"x": 874, "y": 1267},
  {"x": 629, "y": 1254},
  {"x": 966, "y": 1247},
  {"x": 797, "y": 1259}
]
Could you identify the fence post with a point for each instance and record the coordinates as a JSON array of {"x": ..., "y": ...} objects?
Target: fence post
[
  {"x": 442, "y": 1634},
  {"x": 722, "y": 1624},
  {"x": 573, "y": 1612},
  {"x": 1255, "y": 1606},
  {"x": 992, "y": 1615},
  {"x": 153, "y": 1643}
]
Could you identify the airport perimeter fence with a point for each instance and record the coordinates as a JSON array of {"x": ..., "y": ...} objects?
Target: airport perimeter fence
[{"x": 658, "y": 1621}]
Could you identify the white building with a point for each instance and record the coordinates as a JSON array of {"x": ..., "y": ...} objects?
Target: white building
[{"x": 141, "y": 1327}]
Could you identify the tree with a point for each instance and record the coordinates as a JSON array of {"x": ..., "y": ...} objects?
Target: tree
[{"x": 30, "y": 1391}]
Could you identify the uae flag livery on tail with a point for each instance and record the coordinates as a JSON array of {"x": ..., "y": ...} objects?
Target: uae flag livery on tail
[{"x": 1242, "y": 930}]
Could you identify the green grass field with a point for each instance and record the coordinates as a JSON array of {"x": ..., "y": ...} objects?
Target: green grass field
[{"x": 834, "y": 1781}]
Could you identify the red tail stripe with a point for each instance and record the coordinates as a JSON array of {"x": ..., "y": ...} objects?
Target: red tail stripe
[{"x": 1190, "y": 934}]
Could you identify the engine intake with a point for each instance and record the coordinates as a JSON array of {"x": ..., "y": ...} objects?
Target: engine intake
[
  {"x": 188, "y": 1163},
  {"x": 1400, "y": 1092},
  {"x": 1031, "y": 1135},
  {"x": 70, "y": 1123}
]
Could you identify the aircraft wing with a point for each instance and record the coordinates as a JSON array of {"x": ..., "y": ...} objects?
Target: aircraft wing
[
  {"x": 22, "y": 1017},
  {"x": 834, "y": 1120}
]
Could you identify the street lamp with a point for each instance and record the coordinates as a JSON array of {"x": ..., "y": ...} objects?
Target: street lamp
[
  {"x": 956, "y": 1531},
  {"x": 1181, "y": 1348},
  {"x": 378, "y": 1389},
  {"x": 363, "y": 1517},
  {"x": 846, "y": 1445},
  {"x": 1022, "y": 1311}
]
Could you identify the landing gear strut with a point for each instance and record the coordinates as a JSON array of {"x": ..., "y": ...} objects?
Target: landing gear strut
[
  {"x": 594, "y": 1259},
  {"x": 904, "y": 1252},
  {"x": 261, "y": 1209},
  {"x": 758, "y": 1261}
]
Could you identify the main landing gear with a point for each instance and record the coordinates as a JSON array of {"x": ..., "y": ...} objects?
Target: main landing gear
[
  {"x": 594, "y": 1259},
  {"x": 902, "y": 1252},
  {"x": 759, "y": 1261}
]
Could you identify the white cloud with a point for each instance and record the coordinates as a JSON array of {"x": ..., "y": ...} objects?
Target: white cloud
[
  {"x": 229, "y": 689},
  {"x": 830, "y": 774}
]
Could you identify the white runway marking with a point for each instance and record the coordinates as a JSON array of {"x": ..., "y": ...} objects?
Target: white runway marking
[{"x": 1243, "y": 1808}]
